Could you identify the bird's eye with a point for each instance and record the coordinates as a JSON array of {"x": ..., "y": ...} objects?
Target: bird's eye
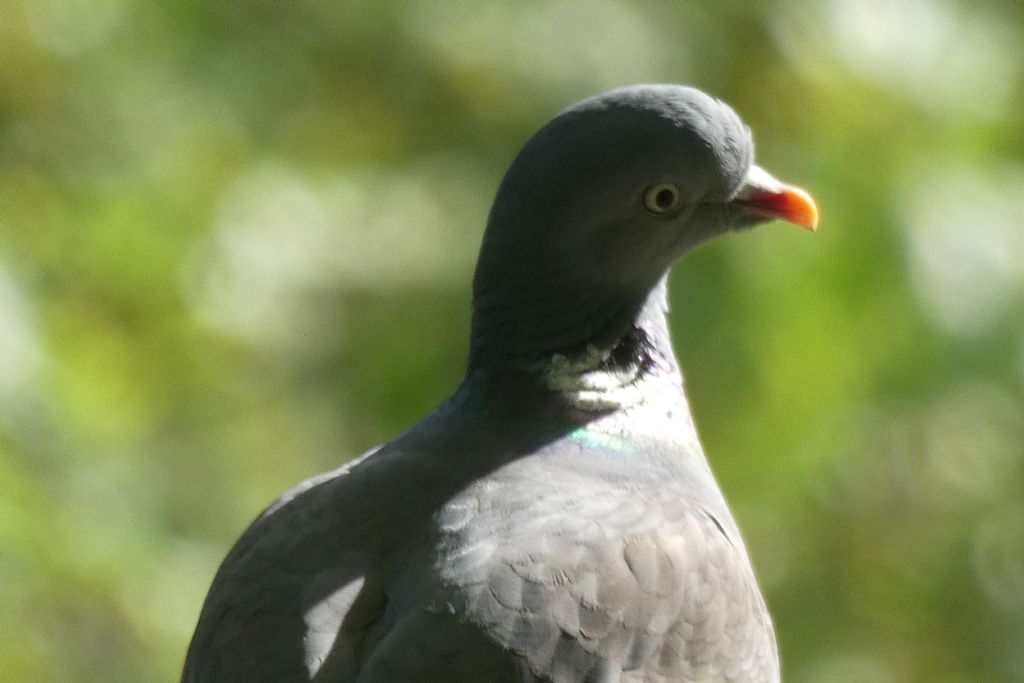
[{"x": 661, "y": 198}]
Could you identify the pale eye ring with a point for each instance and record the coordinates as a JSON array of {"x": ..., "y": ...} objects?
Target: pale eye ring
[{"x": 661, "y": 197}]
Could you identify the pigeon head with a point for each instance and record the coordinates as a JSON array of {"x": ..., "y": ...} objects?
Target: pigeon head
[{"x": 597, "y": 206}]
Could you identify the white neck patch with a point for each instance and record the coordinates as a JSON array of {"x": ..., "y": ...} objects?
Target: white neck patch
[
  {"x": 588, "y": 384},
  {"x": 643, "y": 404}
]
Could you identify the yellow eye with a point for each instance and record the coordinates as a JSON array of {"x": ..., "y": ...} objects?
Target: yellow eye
[{"x": 661, "y": 198}]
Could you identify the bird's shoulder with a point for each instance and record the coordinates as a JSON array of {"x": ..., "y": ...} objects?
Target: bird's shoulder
[
  {"x": 304, "y": 584},
  {"x": 312, "y": 560},
  {"x": 257, "y": 613}
]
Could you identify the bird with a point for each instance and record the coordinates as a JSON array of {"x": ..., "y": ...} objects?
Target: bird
[{"x": 555, "y": 519}]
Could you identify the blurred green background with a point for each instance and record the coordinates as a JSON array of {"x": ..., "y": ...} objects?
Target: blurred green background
[{"x": 236, "y": 240}]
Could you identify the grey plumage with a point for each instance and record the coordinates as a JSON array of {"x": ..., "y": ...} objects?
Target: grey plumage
[{"x": 556, "y": 519}]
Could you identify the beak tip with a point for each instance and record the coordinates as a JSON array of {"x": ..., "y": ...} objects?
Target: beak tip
[
  {"x": 800, "y": 208},
  {"x": 811, "y": 221}
]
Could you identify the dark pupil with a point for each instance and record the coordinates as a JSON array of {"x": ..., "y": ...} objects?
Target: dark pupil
[{"x": 664, "y": 198}]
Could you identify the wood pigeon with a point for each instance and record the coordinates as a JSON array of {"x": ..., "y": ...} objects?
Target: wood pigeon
[{"x": 556, "y": 519}]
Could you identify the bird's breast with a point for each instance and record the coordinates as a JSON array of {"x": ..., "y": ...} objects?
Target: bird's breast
[{"x": 634, "y": 572}]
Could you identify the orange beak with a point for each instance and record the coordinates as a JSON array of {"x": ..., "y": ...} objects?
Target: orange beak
[{"x": 763, "y": 195}]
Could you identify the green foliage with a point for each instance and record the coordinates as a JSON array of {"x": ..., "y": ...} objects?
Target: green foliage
[{"x": 236, "y": 240}]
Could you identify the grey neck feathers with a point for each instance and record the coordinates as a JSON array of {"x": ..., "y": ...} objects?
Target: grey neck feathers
[{"x": 598, "y": 353}]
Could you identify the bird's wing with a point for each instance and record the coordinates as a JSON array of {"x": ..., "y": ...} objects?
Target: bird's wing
[{"x": 297, "y": 593}]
